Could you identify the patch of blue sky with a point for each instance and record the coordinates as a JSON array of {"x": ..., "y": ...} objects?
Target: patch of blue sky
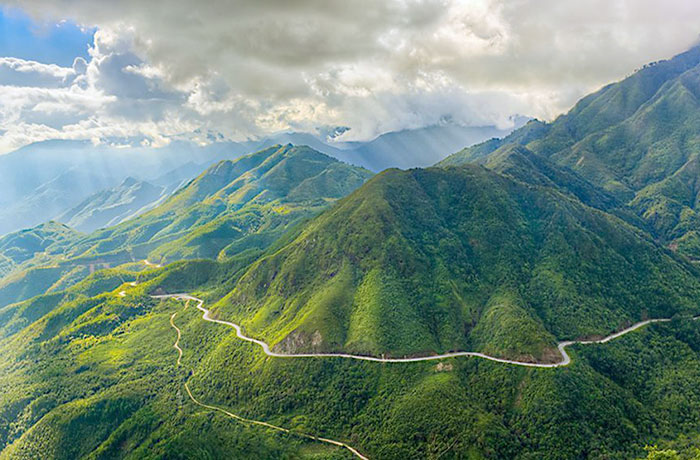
[{"x": 49, "y": 43}]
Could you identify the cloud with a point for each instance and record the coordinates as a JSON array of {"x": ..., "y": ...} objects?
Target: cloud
[
  {"x": 20, "y": 72},
  {"x": 244, "y": 68},
  {"x": 113, "y": 96}
]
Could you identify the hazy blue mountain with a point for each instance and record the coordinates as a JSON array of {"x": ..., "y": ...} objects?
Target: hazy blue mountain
[
  {"x": 44, "y": 180},
  {"x": 113, "y": 206},
  {"x": 51, "y": 198},
  {"x": 415, "y": 148}
]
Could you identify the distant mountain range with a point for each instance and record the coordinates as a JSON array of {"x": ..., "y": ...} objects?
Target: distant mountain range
[
  {"x": 57, "y": 179},
  {"x": 569, "y": 230}
]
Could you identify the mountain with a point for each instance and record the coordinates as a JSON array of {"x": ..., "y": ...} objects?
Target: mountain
[
  {"x": 19, "y": 247},
  {"x": 49, "y": 179},
  {"x": 232, "y": 206},
  {"x": 113, "y": 206},
  {"x": 411, "y": 262},
  {"x": 26, "y": 261},
  {"x": 638, "y": 139},
  {"x": 408, "y": 148},
  {"x": 520, "y": 163},
  {"x": 415, "y": 148},
  {"x": 43, "y": 180},
  {"x": 50, "y": 199},
  {"x": 428, "y": 261}
]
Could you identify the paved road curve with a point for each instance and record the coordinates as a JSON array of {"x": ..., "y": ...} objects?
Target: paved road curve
[
  {"x": 565, "y": 358},
  {"x": 176, "y": 345}
]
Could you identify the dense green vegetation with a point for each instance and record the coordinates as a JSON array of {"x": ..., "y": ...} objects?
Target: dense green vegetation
[
  {"x": 232, "y": 207},
  {"x": 560, "y": 231},
  {"x": 34, "y": 243},
  {"x": 90, "y": 374},
  {"x": 434, "y": 260},
  {"x": 94, "y": 375},
  {"x": 638, "y": 139}
]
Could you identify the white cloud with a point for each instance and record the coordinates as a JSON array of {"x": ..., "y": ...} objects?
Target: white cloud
[
  {"x": 20, "y": 72},
  {"x": 110, "y": 97},
  {"x": 247, "y": 67}
]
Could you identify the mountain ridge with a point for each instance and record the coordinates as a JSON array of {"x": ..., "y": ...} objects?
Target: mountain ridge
[
  {"x": 464, "y": 250},
  {"x": 637, "y": 139}
]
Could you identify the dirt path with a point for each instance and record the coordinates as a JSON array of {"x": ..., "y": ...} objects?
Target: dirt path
[
  {"x": 333, "y": 442},
  {"x": 206, "y": 315}
]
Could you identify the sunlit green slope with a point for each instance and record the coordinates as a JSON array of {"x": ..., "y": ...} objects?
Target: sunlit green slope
[
  {"x": 426, "y": 261},
  {"x": 90, "y": 374},
  {"x": 234, "y": 205},
  {"x": 639, "y": 139}
]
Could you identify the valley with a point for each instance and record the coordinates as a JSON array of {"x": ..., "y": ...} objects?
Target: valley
[{"x": 436, "y": 292}]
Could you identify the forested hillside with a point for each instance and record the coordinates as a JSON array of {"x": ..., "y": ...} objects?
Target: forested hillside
[
  {"x": 434, "y": 260},
  {"x": 232, "y": 207},
  {"x": 638, "y": 139}
]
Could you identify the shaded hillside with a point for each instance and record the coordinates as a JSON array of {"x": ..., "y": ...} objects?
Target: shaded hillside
[
  {"x": 639, "y": 139},
  {"x": 113, "y": 206},
  {"x": 19, "y": 247},
  {"x": 522, "y": 164},
  {"x": 434, "y": 260}
]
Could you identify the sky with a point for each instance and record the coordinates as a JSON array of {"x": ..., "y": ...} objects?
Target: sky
[{"x": 134, "y": 72}]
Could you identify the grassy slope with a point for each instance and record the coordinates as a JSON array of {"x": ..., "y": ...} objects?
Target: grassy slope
[
  {"x": 96, "y": 378},
  {"x": 638, "y": 139},
  {"x": 434, "y": 260},
  {"x": 234, "y": 206}
]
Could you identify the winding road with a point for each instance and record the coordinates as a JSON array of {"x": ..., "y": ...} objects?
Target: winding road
[
  {"x": 176, "y": 345},
  {"x": 206, "y": 315},
  {"x": 565, "y": 358}
]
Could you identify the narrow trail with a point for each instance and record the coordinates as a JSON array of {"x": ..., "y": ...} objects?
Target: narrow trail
[
  {"x": 239, "y": 418},
  {"x": 565, "y": 358},
  {"x": 151, "y": 264},
  {"x": 206, "y": 316},
  {"x": 176, "y": 345}
]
